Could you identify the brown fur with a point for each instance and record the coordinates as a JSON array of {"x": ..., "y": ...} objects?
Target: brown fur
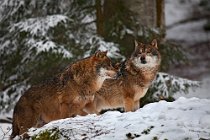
[
  {"x": 64, "y": 96},
  {"x": 132, "y": 85}
]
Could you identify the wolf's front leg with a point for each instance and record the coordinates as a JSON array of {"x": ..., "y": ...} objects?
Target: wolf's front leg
[
  {"x": 64, "y": 111},
  {"x": 82, "y": 113},
  {"x": 129, "y": 104},
  {"x": 137, "y": 105},
  {"x": 90, "y": 108}
]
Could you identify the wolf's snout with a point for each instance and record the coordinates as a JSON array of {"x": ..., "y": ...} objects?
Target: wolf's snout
[
  {"x": 143, "y": 60},
  {"x": 111, "y": 74}
]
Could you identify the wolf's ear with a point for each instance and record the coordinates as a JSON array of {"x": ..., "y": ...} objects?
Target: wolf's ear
[
  {"x": 100, "y": 54},
  {"x": 154, "y": 43},
  {"x": 117, "y": 65},
  {"x": 137, "y": 45}
]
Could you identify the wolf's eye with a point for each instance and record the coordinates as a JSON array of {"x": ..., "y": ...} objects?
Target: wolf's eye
[
  {"x": 140, "y": 50},
  {"x": 148, "y": 50},
  {"x": 154, "y": 53}
]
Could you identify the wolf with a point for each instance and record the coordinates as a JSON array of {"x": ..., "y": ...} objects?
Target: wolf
[
  {"x": 137, "y": 74},
  {"x": 64, "y": 96}
]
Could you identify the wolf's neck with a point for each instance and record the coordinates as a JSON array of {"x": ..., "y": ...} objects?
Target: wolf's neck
[
  {"x": 91, "y": 84},
  {"x": 148, "y": 74},
  {"x": 143, "y": 75}
]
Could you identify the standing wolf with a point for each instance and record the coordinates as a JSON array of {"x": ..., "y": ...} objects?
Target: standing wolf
[
  {"x": 64, "y": 96},
  {"x": 137, "y": 74}
]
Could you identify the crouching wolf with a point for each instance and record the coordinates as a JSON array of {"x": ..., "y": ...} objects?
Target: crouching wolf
[
  {"x": 64, "y": 96},
  {"x": 137, "y": 73}
]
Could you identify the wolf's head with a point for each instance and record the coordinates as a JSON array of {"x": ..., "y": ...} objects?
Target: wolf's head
[
  {"x": 91, "y": 70},
  {"x": 146, "y": 55},
  {"x": 104, "y": 66}
]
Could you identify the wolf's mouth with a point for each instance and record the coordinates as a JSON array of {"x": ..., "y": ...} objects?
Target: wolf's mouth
[
  {"x": 111, "y": 74},
  {"x": 107, "y": 73}
]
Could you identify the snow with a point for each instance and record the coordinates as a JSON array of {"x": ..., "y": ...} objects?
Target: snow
[
  {"x": 176, "y": 10},
  {"x": 112, "y": 48},
  {"x": 88, "y": 19},
  {"x": 9, "y": 7},
  {"x": 185, "y": 118},
  {"x": 5, "y": 130},
  {"x": 40, "y": 25},
  {"x": 46, "y": 46},
  {"x": 5, "y": 97},
  {"x": 190, "y": 32}
]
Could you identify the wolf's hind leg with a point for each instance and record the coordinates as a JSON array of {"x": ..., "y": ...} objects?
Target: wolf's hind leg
[{"x": 26, "y": 123}]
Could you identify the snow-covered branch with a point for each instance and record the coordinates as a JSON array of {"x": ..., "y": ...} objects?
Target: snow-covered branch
[{"x": 167, "y": 85}]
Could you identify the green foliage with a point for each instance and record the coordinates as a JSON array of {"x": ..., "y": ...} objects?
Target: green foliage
[
  {"x": 171, "y": 54},
  {"x": 119, "y": 26},
  {"x": 147, "y": 131},
  {"x": 155, "y": 138},
  {"x": 135, "y": 135},
  {"x": 52, "y": 134},
  {"x": 132, "y": 135},
  {"x": 45, "y": 67}
]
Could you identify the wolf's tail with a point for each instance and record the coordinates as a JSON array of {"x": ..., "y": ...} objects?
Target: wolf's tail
[{"x": 15, "y": 128}]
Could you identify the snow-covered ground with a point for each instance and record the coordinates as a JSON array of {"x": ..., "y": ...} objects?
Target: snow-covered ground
[
  {"x": 163, "y": 119},
  {"x": 185, "y": 118}
]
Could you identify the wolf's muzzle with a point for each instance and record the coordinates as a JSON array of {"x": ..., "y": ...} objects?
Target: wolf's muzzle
[{"x": 143, "y": 60}]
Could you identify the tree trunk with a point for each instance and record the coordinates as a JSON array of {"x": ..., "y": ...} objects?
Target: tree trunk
[
  {"x": 149, "y": 13},
  {"x": 160, "y": 6},
  {"x": 110, "y": 10},
  {"x": 145, "y": 11},
  {"x": 99, "y": 18}
]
